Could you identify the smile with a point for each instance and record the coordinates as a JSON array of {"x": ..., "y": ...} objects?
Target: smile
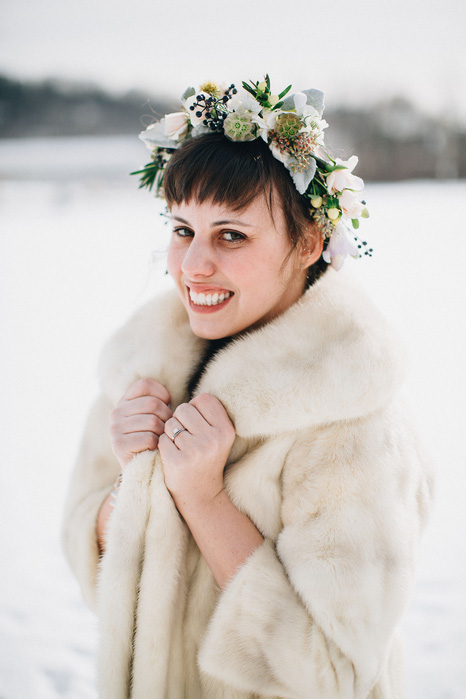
[{"x": 214, "y": 299}]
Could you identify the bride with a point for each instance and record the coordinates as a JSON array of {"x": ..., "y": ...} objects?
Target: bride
[{"x": 245, "y": 512}]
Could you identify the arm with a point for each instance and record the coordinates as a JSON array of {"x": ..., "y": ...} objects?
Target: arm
[
  {"x": 225, "y": 536},
  {"x": 193, "y": 467}
]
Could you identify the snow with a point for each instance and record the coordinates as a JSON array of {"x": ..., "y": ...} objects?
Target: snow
[{"x": 76, "y": 245}]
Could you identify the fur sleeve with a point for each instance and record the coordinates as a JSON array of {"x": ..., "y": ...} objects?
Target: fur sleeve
[
  {"x": 314, "y": 614},
  {"x": 261, "y": 639},
  {"x": 95, "y": 472}
]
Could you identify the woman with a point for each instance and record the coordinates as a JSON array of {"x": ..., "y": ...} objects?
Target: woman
[{"x": 249, "y": 527}]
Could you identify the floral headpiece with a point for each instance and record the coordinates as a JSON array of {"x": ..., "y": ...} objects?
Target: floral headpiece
[{"x": 292, "y": 126}]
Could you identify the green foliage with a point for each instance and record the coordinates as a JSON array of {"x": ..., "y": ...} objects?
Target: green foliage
[
  {"x": 262, "y": 94},
  {"x": 148, "y": 175}
]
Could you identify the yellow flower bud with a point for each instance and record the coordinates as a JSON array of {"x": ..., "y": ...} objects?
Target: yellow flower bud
[
  {"x": 316, "y": 202},
  {"x": 261, "y": 86},
  {"x": 210, "y": 87},
  {"x": 333, "y": 214},
  {"x": 273, "y": 99}
]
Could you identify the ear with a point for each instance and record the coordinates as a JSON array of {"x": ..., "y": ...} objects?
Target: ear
[{"x": 310, "y": 248}]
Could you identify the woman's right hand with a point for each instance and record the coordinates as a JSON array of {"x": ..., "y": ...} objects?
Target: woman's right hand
[{"x": 139, "y": 419}]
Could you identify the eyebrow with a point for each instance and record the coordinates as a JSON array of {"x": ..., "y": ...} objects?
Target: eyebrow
[{"x": 222, "y": 222}]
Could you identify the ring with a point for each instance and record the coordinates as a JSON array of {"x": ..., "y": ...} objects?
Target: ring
[{"x": 177, "y": 431}]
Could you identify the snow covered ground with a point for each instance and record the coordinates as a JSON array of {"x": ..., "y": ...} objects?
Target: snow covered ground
[{"x": 76, "y": 243}]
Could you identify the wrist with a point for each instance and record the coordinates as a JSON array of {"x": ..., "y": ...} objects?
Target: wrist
[{"x": 193, "y": 504}]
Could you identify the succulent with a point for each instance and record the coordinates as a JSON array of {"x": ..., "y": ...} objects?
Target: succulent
[{"x": 288, "y": 125}]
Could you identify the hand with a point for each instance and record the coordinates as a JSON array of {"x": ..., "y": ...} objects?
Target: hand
[
  {"x": 139, "y": 419},
  {"x": 194, "y": 461}
]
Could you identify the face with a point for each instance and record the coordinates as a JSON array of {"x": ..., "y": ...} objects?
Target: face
[{"x": 233, "y": 270}]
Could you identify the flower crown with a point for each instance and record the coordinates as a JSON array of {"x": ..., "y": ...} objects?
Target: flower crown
[{"x": 292, "y": 126}]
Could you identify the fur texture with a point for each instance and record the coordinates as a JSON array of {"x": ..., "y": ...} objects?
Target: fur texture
[{"x": 325, "y": 466}]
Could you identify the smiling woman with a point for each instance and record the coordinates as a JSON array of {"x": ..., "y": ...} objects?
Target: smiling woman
[
  {"x": 232, "y": 279},
  {"x": 250, "y": 524}
]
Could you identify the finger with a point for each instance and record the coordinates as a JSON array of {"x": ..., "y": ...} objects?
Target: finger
[
  {"x": 172, "y": 425},
  {"x": 149, "y": 405},
  {"x": 211, "y": 409},
  {"x": 140, "y": 423},
  {"x": 189, "y": 416},
  {"x": 166, "y": 447},
  {"x": 131, "y": 444},
  {"x": 148, "y": 387}
]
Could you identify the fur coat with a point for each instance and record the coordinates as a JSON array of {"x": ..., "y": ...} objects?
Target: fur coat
[{"x": 326, "y": 466}]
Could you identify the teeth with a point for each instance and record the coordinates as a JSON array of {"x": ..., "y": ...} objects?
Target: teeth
[{"x": 208, "y": 299}]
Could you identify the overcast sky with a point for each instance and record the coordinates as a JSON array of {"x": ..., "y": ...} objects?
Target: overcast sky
[{"x": 356, "y": 51}]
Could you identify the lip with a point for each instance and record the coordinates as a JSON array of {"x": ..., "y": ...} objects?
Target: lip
[{"x": 206, "y": 288}]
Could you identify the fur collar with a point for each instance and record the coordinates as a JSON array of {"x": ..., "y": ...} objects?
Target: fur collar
[{"x": 331, "y": 356}]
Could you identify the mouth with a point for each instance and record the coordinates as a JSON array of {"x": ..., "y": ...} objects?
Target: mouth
[{"x": 209, "y": 300}]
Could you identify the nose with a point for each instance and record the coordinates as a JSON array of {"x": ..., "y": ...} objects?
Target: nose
[{"x": 198, "y": 260}]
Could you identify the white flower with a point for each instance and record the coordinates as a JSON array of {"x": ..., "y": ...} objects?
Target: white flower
[
  {"x": 176, "y": 125},
  {"x": 155, "y": 137},
  {"x": 338, "y": 180},
  {"x": 301, "y": 106},
  {"x": 266, "y": 122},
  {"x": 339, "y": 247},
  {"x": 350, "y": 204},
  {"x": 310, "y": 117},
  {"x": 243, "y": 101}
]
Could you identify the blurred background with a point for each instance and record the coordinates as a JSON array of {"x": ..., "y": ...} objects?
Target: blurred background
[{"x": 80, "y": 249}]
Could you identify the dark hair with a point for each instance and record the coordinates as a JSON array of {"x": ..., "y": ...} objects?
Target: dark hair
[{"x": 212, "y": 167}]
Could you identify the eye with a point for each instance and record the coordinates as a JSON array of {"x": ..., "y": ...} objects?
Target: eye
[
  {"x": 183, "y": 232},
  {"x": 233, "y": 237}
]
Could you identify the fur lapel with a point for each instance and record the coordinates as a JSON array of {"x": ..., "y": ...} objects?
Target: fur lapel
[{"x": 331, "y": 356}]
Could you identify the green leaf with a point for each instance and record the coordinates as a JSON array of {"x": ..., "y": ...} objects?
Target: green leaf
[
  {"x": 267, "y": 80},
  {"x": 249, "y": 89},
  {"x": 355, "y": 223},
  {"x": 277, "y": 106},
  {"x": 285, "y": 91},
  {"x": 148, "y": 175}
]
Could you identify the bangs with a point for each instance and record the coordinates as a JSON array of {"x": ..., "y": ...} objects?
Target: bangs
[{"x": 212, "y": 167}]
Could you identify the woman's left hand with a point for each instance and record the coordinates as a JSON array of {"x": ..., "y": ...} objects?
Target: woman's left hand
[{"x": 193, "y": 462}]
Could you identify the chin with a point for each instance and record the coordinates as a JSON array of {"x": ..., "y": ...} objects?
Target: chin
[{"x": 209, "y": 333}]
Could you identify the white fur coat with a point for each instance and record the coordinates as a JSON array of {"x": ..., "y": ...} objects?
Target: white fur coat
[{"x": 325, "y": 465}]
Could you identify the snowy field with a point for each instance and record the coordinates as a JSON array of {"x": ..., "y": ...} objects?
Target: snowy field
[{"x": 76, "y": 257}]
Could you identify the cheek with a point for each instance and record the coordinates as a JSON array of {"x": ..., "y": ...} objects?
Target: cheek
[{"x": 174, "y": 261}]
